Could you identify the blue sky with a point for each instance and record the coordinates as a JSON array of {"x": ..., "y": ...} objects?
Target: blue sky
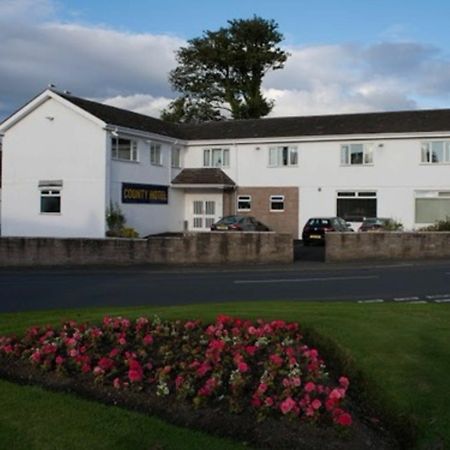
[{"x": 346, "y": 55}]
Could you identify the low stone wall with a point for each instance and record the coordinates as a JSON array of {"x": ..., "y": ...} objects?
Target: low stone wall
[
  {"x": 386, "y": 246},
  {"x": 186, "y": 249}
]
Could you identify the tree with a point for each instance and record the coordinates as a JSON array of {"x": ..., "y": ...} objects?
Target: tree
[{"x": 220, "y": 74}]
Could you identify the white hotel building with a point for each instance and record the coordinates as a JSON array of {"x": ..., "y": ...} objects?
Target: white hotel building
[{"x": 66, "y": 159}]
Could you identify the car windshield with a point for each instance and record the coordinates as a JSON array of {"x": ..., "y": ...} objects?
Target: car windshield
[{"x": 229, "y": 220}]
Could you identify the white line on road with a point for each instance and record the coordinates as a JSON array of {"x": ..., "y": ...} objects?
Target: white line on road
[
  {"x": 418, "y": 302},
  {"x": 443, "y": 300},
  {"x": 374, "y": 300},
  {"x": 405, "y": 299},
  {"x": 432, "y": 297},
  {"x": 304, "y": 280}
]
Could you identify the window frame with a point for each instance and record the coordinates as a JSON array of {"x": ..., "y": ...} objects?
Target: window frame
[
  {"x": 277, "y": 199},
  {"x": 175, "y": 163},
  {"x": 244, "y": 198},
  {"x": 367, "y": 154},
  {"x": 156, "y": 147},
  {"x": 50, "y": 192},
  {"x": 115, "y": 149},
  {"x": 280, "y": 158},
  {"x": 429, "y": 152},
  {"x": 208, "y": 159},
  {"x": 355, "y": 196}
]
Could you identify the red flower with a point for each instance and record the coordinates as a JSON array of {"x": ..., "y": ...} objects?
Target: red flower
[
  {"x": 106, "y": 363},
  {"x": 135, "y": 372},
  {"x": 344, "y": 419},
  {"x": 148, "y": 339},
  {"x": 276, "y": 359},
  {"x": 243, "y": 367},
  {"x": 310, "y": 386}
]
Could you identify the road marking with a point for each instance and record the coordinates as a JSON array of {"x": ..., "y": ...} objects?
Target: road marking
[
  {"x": 432, "y": 297},
  {"x": 405, "y": 299},
  {"x": 374, "y": 300},
  {"x": 443, "y": 300},
  {"x": 418, "y": 302},
  {"x": 304, "y": 280}
]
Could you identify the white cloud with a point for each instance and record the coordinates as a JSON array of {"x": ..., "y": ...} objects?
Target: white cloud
[
  {"x": 130, "y": 70},
  {"x": 140, "y": 103}
]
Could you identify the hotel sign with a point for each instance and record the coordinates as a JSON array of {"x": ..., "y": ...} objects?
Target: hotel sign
[{"x": 152, "y": 194}]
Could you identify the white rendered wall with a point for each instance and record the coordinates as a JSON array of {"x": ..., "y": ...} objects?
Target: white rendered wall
[
  {"x": 70, "y": 148},
  {"x": 146, "y": 218},
  {"x": 397, "y": 172}
]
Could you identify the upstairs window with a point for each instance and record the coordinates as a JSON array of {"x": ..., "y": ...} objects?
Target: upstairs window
[
  {"x": 155, "y": 154},
  {"x": 277, "y": 202},
  {"x": 216, "y": 157},
  {"x": 283, "y": 156},
  {"x": 356, "y": 154},
  {"x": 244, "y": 202},
  {"x": 176, "y": 157},
  {"x": 436, "y": 152},
  {"x": 124, "y": 149}
]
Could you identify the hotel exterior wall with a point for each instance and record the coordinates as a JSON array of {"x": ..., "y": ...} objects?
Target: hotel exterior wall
[
  {"x": 395, "y": 175},
  {"x": 54, "y": 143}
]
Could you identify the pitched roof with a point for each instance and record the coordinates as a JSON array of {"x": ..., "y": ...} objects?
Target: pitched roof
[
  {"x": 203, "y": 176},
  {"x": 339, "y": 124},
  {"x": 124, "y": 118}
]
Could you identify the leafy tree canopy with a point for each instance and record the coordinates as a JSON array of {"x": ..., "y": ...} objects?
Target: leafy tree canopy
[{"x": 220, "y": 74}]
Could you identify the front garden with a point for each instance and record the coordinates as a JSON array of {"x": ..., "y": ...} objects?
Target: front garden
[{"x": 265, "y": 373}]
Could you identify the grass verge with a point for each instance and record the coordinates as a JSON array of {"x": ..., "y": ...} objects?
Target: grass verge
[{"x": 398, "y": 352}]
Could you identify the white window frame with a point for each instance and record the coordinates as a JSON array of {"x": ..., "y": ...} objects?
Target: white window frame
[
  {"x": 208, "y": 154},
  {"x": 367, "y": 150},
  {"x": 244, "y": 198},
  {"x": 277, "y": 199},
  {"x": 281, "y": 154},
  {"x": 175, "y": 157},
  {"x": 53, "y": 192},
  {"x": 133, "y": 157},
  {"x": 426, "y": 152},
  {"x": 156, "y": 154}
]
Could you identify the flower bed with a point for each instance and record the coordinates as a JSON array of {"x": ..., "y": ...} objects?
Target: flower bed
[{"x": 262, "y": 367}]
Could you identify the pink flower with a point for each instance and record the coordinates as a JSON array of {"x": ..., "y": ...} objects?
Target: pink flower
[
  {"x": 262, "y": 388},
  {"x": 243, "y": 367},
  {"x": 287, "y": 405},
  {"x": 203, "y": 369},
  {"x": 276, "y": 359},
  {"x": 296, "y": 381},
  {"x": 316, "y": 404},
  {"x": 256, "y": 402},
  {"x": 135, "y": 372},
  {"x": 36, "y": 356},
  {"x": 148, "y": 339},
  {"x": 59, "y": 360},
  {"x": 98, "y": 371},
  {"x": 268, "y": 401},
  {"x": 179, "y": 381},
  {"x": 310, "y": 386},
  {"x": 336, "y": 394},
  {"x": 343, "y": 381},
  {"x": 117, "y": 383},
  {"x": 106, "y": 363}
]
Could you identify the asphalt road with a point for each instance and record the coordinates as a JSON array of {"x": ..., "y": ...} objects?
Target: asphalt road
[{"x": 22, "y": 290}]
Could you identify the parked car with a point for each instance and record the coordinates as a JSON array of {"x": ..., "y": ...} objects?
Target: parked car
[
  {"x": 316, "y": 227},
  {"x": 379, "y": 224},
  {"x": 239, "y": 223}
]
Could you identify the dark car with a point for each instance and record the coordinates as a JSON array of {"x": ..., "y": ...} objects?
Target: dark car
[
  {"x": 239, "y": 223},
  {"x": 316, "y": 227},
  {"x": 379, "y": 224}
]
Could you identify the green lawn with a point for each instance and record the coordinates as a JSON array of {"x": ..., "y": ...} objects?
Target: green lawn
[{"x": 400, "y": 352}]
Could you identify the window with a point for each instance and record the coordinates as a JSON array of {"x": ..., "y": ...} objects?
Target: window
[
  {"x": 51, "y": 201},
  {"x": 432, "y": 206},
  {"x": 355, "y": 206},
  {"x": 244, "y": 202},
  {"x": 277, "y": 202},
  {"x": 155, "y": 154},
  {"x": 216, "y": 157},
  {"x": 283, "y": 156},
  {"x": 176, "y": 157},
  {"x": 435, "y": 152},
  {"x": 124, "y": 149},
  {"x": 356, "y": 154}
]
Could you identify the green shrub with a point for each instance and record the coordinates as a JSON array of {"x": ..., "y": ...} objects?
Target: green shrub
[
  {"x": 115, "y": 219},
  {"x": 440, "y": 225}
]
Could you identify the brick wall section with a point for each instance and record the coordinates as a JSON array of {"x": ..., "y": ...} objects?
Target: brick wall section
[
  {"x": 189, "y": 248},
  {"x": 280, "y": 221},
  {"x": 386, "y": 246}
]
